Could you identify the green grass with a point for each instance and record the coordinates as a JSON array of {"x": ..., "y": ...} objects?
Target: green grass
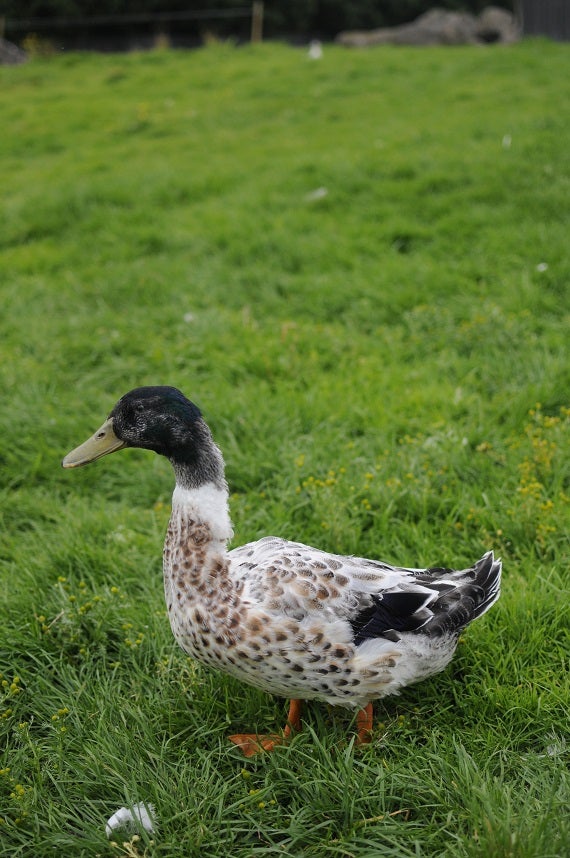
[{"x": 369, "y": 360}]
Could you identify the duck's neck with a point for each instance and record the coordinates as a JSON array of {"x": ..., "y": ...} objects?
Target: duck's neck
[
  {"x": 200, "y": 498},
  {"x": 200, "y": 525},
  {"x": 197, "y": 460},
  {"x": 204, "y": 507}
]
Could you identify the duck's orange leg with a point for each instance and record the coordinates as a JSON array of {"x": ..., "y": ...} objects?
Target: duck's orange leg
[
  {"x": 364, "y": 722},
  {"x": 251, "y": 744}
]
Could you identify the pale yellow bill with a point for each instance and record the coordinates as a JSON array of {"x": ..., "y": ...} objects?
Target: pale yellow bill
[{"x": 103, "y": 442}]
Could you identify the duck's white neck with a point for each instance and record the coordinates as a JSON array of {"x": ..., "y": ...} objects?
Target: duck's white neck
[{"x": 207, "y": 504}]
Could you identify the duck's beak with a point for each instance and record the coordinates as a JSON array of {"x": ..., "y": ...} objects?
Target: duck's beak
[{"x": 104, "y": 441}]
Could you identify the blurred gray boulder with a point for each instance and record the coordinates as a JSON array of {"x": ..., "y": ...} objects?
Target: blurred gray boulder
[{"x": 440, "y": 27}]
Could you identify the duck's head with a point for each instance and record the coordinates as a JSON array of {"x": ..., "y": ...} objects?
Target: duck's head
[{"x": 159, "y": 419}]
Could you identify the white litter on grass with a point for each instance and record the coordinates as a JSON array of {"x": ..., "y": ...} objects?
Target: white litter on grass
[
  {"x": 317, "y": 194},
  {"x": 507, "y": 140},
  {"x": 141, "y": 815},
  {"x": 542, "y": 266}
]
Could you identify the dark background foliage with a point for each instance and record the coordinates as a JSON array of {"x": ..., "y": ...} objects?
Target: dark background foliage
[{"x": 293, "y": 19}]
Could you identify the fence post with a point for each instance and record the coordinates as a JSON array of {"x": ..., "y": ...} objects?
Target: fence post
[{"x": 257, "y": 21}]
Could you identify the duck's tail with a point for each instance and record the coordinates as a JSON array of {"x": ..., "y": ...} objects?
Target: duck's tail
[{"x": 463, "y": 596}]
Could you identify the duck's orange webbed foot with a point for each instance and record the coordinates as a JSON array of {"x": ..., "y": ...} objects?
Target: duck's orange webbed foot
[
  {"x": 364, "y": 724},
  {"x": 251, "y": 744}
]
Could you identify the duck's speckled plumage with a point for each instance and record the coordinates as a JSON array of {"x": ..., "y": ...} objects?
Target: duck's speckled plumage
[
  {"x": 302, "y": 623},
  {"x": 290, "y": 619}
]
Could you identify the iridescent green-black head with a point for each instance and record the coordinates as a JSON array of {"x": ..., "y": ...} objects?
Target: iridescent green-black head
[{"x": 161, "y": 419}]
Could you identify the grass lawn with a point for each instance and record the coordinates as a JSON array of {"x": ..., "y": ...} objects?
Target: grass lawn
[{"x": 359, "y": 269}]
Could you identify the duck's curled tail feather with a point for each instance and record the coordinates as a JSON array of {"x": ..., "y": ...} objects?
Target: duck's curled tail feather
[{"x": 463, "y": 596}]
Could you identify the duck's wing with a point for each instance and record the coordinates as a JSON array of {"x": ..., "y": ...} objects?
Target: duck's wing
[
  {"x": 374, "y": 598},
  {"x": 297, "y": 580}
]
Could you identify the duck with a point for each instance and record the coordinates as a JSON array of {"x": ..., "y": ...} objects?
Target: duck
[{"x": 292, "y": 620}]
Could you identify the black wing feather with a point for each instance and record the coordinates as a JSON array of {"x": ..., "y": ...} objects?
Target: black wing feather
[
  {"x": 391, "y": 612},
  {"x": 457, "y": 598}
]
